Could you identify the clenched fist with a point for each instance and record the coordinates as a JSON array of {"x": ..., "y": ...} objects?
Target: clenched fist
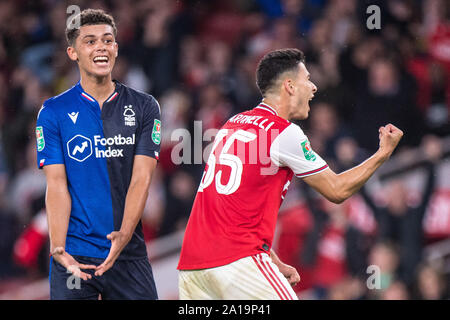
[{"x": 389, "y": 136}]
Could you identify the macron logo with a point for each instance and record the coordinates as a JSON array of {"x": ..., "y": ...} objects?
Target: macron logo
[
  {"x": 73, "y": 116},
  {"x": 79, "y": 149}
]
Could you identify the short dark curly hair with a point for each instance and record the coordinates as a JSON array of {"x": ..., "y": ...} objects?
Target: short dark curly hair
[
  {"x": 275, "y": 63},
  {"x": 88, "y": 17}
]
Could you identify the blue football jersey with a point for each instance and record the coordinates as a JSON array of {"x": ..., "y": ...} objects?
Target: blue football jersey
[{"x": 97, "y": 147}]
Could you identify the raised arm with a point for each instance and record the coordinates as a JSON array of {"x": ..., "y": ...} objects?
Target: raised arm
[
  {"x": 432, "y": 148},
  {"x": 339, "y": 187}
]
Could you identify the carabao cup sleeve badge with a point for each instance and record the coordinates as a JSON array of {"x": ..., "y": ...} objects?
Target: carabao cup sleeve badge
[
  {"x": 156, "y": 133},
  {"x": 307, "y": 151},
  {"x": 40, "y": 138}
]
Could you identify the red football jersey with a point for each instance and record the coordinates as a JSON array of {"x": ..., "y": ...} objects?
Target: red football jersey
[{"x": 252, "y": 161}]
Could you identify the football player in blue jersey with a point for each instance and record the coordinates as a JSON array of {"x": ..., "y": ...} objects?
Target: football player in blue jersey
[{"x": 98, "y": 144}]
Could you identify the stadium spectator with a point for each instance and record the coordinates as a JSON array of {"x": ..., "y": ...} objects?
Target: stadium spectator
[
  {"x": 28, "y": 185},
  {"x": 384, "y": 256},
  {"x": 431, "y": 284},
  {"x": 399, "y": 221},
  {"x": 180, "y": 196},
  {"x": 350, "y": 288},
  {"x": 326, "y": 129},
  {"x": 396, "y": 291},
  {"x": 334, "y": 249},
  {"x": 385, "y": 97}
]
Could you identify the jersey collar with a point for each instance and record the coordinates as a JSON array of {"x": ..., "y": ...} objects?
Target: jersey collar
[
  {"x": 266, "y": 107},
  {"x": 88, "y": 97}
]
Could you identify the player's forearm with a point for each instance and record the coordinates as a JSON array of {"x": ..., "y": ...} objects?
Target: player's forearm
[
  {"x": 274, "y": 257},
  {"x": 137, "y": 194},
  {"x": 350, "y": 181},
  {"x": 58, "y": 205},
  {"x": 288, "y": 271},
  {"x": 276, "y": 260},
  {"x": 135, "y": 204}
]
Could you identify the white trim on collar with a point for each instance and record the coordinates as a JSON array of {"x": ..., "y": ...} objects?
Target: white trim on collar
[{"x": 266, "y": 107}]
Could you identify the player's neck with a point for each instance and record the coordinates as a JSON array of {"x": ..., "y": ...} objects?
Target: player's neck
[
  {"x": 100, "y": 88},
  {"x": 277, "y": 103}
]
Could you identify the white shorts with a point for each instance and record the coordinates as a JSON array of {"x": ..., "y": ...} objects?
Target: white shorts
[{"x": 250, "y": 278}]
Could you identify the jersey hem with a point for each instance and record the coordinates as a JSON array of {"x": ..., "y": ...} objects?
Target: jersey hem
[
  {"x": 121, "y": 258},
  {"x": 312, "y": 172},
  {"x": 49, "y": 162},
  {"x": 150, "y": 154},
  {"x": 219, "y": 263}
]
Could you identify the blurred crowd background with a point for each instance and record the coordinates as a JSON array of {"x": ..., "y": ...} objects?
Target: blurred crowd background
[{"x": 198, "y": 58}]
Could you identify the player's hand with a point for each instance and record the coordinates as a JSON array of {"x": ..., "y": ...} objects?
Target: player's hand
[
  {"x": 69, "y": 262},
  {"x": 290, "y": 273},
  {"x": 118, "y": 241},
  {"x": 389, "y": 136}
]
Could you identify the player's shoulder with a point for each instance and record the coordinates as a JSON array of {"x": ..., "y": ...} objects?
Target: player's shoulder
[
  {"x": 295, "y": 128},
  {"x": 146, "y": 100},
  {"x": 292, "y": 132},
  {"x": 63, "y": 99},
  {"x": 55, "y": 105}
]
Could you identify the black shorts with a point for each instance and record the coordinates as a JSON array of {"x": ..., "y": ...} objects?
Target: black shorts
[{"x": 125, "y": 280}]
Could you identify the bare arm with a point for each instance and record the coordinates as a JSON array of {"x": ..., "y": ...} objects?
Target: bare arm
[
  {"x": 339, "y": 187},
  {"x": 288, "y": 271},
  {"x": 58, "y": 205},
  {"x": 137, "y": 194}
]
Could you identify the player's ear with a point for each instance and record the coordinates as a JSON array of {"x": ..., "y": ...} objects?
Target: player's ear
[
  {"x": 72, "y": 53},
  {"x": 289, "y": 86},
  {"x": 116, "y": 46}
]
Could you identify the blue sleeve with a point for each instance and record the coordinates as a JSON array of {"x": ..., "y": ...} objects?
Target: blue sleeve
[
  {"x": 48, "y": 140},
  {"x": 149, "y": 143}
]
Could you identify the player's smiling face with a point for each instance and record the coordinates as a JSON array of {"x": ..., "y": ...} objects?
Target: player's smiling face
[
  {"x": 303, "y": 93},
  {"x": 96, "y": 50}
]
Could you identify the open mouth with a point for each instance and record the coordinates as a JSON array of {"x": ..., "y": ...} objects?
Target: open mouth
[
  {"x": 311, "y": 98},
  {"x": 101, "y": 60}
]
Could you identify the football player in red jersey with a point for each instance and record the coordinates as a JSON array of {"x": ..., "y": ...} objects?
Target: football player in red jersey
[{"x": 226, "y": 252}]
